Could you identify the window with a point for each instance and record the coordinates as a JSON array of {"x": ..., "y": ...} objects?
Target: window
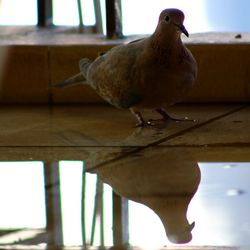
[
  {"x": 201, "y": 15},
  {"x": 15, "y": 12}
]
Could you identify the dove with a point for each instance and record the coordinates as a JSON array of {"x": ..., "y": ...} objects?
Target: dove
[{"x": 149, "y": 73}]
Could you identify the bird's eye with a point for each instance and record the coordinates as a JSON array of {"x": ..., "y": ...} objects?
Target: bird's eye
[{"x": 167, "y": 18}]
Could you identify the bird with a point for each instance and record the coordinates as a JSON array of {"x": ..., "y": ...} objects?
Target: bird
[{"x": 153, "y": 73}]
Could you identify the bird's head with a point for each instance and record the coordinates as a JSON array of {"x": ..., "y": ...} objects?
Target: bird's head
[{"x": 171, "y": 20}]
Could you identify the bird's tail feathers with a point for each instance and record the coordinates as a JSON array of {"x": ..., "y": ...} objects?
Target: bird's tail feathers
[{"x": 78, "y": 79}]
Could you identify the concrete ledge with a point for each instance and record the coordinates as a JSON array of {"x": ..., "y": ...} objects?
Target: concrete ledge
[{"x": 31, "y": 62}]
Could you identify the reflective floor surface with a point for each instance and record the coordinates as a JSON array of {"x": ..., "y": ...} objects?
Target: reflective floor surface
[{"x": 178, "y": 185}]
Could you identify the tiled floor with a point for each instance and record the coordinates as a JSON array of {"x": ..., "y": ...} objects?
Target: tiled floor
[
  {"x": 81, "y": 126},
  {"x": 156, "y": 166}
]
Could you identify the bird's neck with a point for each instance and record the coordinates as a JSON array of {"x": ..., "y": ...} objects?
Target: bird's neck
[{"x": 161, "y": 41}]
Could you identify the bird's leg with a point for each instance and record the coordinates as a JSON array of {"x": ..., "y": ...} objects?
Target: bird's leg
[
  {"x": 138, "y": 116},
  {"x": 167, "y": 117},
  {"x": 141, "y": 121}
]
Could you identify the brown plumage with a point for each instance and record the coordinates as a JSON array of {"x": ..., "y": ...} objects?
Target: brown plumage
[{"x": 150, "y": 73}]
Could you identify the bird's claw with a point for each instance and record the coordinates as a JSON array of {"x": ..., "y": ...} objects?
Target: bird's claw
[
  {"x": 151, "y": 122},
  {"x": 184, "y": 119},
  {"x": 139, "y": 125},
  {"x": 166, "y": 117},
  {"x": 144, "y": 124},
  {"x": 155, "y": 122}
]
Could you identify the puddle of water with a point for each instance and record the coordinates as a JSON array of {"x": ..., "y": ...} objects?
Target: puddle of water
[{"x": 220, "y": 207}]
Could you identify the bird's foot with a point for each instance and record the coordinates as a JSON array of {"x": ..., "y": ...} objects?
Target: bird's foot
[
  {"x": 156, "y": 122},
  {"x": 182, "y": 119},
  {"x": 164, "y": 121},
  {"x": 145, "y": 124},
  {"x": 167, "y": 118},
  {"x": 141, "y": 122}
]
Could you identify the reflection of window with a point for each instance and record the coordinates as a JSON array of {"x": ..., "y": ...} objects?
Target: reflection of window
[
  {"x": 22, "y": 195},
  {"x": 33, "y": 200},
  {"x": 223, "y": 185}
]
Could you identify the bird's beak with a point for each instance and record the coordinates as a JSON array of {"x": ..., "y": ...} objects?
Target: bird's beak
[
  {"x": 183, "y": 29},
  {"x": 191, "y": 226}
]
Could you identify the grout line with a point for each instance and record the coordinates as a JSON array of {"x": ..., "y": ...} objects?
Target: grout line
[
  {"x": 211, "y": 145},
  {"x": 214, "y": 145}
]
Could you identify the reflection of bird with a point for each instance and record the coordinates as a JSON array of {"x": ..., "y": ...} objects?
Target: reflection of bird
[
  {"x": 163, "y": 179},
  {"x": 149, "y": 73}
]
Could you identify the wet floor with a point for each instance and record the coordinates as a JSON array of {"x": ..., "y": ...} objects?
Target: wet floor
[{"x": 176, "y": 185}]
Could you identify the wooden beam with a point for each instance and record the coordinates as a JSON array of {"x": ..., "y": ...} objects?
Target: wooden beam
[
  {"x": 98, "y": 214},
  {"x": 120, "y": 221},
  {"x": 114, "y": 19},
  {"x": 79, "y": 8},
  {"x": 98, "y": 17},
  {"x": 53, "y": 204},
  {"x": 44, "y": 13}
]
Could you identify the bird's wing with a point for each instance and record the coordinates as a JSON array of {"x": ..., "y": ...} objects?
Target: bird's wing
[
  {"x": 115, "y": 75},
  {"x": 137, "y": 40}
]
